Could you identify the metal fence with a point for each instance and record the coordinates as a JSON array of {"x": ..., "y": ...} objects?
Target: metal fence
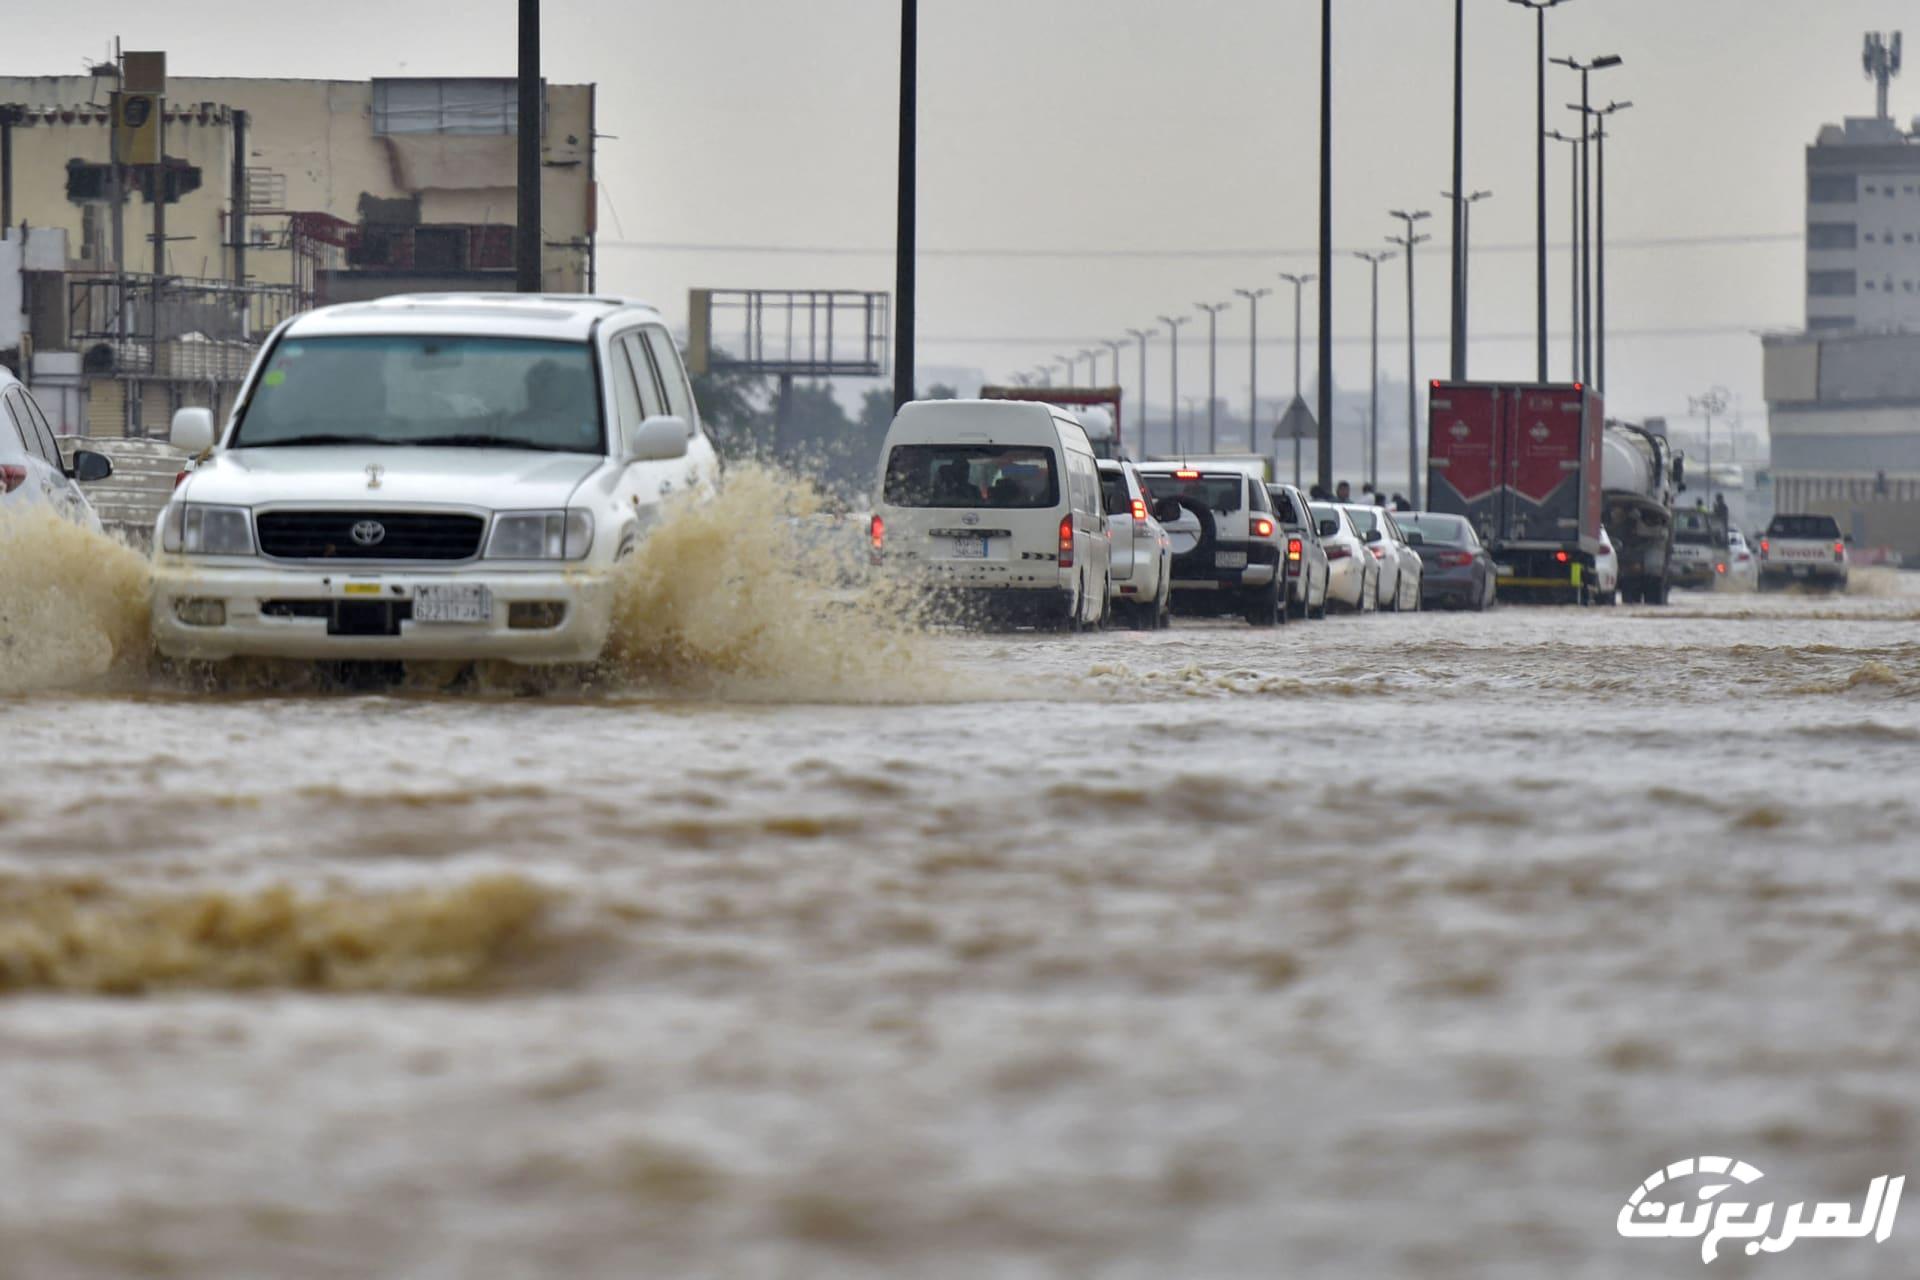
[{"x": 173, "y": 328}]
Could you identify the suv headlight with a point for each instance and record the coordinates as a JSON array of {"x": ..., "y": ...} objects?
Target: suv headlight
[
  {"x": 540, "y": 535},
  {"x": 202, "y": 530}
]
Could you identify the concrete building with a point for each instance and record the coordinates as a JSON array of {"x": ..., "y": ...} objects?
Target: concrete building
[
  {"x": 275, "y": 196},
  {"x": 1843, "y": 411}
]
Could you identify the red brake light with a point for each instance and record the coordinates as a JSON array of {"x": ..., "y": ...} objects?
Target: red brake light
[
  {"x": 1338, "y": 552},
  {"x": 1561, "y": 556},
  {"x": 1840, "y": 548},
  {"x": 1186, "y": 475},
  {"x": 1293, "y": 548},
  {"x": 1379, "y": 553},
  {"x": 1262, "y": 528},
  {"x": 1719, "y": 568},
  {"x": 1066, "y": 541},
  {"x": 178, "y": 476},
  {"x": 1579, "y": 386},
  {"x": 1140, "y": 510},
  {"x": 877, "y": 535},
  {"x": 1765, "y": 546},
  {"x": 12, "y": 478}
]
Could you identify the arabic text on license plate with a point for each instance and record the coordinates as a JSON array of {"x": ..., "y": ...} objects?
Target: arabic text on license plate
[
  {"x": 970, "y": 548},
  {"x": 1230, "y": 560},
  {"x": 452, "y": 602}
]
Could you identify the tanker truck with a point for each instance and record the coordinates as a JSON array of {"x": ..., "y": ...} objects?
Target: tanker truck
[{"x": 1639, "y": 475}]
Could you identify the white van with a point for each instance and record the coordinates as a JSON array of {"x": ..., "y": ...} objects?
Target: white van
[{"x": 997, "y": 501}]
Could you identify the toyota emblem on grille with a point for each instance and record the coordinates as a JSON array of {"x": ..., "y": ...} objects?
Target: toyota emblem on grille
[
  {"x": 369, "y": 533},
  {"x": 972, "y": 517}
]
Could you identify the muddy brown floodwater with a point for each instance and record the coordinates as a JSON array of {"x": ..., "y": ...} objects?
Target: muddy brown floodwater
[{"x": 1403, "y": 946}]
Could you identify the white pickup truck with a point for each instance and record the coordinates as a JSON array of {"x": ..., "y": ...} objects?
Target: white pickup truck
[{"x": 1803, "y": 549}]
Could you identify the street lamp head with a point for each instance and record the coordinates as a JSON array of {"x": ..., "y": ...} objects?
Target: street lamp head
[
  {"x": 1416, "y": 216},
  {"x": 1612, "y": 107},
  {"x": 1607, "y": 60}
]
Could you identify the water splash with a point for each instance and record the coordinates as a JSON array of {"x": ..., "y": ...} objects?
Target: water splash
[{"x": 73, "y": 606}]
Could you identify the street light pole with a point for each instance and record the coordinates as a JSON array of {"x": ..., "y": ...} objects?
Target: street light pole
[
  {"x": 528, "y": 274},
  {"x": 1114, "y": 345},
  {"x": 1573, "y": 252},
  {"x": 1213, "y": 310},
  {"x": 1373, "y": 260},
  {"x": 1297, "y": 281},
  {"x": 1253, "y": 297},
  {"x": 1140, "y": 336},
  {"x": 1600, "y": 246},
  {"x": 1585, "y": 109},
  {"x": 1173, "y": 324},
  {"x": 1458, "y": 362},
  {"x": 1072, "y": 373},
  {"x": 1540, "y": 8},
  {"x": 1714, "y": 401},
  {"x": 903, "y": 250},
  {"x": 1324, "y": 445},
  {"x": 1462, "y": 327},
  {"x": 1408, "y": 241}
]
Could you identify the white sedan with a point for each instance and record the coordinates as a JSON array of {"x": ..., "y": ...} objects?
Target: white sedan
[
  {"x": 31, "y": 471},
  {"x": 1353, "y": 575},
  {"x": 1605, "y": 587},
  {"x": 440, "y": 477},
  {"x": 1400, "y": 565}
]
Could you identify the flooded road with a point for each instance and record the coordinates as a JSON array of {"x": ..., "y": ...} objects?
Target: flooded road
[{"x": 1401, "y": 946}]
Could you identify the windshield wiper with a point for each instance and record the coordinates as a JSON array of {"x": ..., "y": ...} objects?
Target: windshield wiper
[
  {"x": 321, "y": 439},
  {"x": 476, "y": 441}
]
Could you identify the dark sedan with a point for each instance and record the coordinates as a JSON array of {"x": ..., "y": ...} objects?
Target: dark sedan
[{"x": 1458, "y": 571}]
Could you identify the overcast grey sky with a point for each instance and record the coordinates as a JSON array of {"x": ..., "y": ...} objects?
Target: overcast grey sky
[{"x": 1138, "y": 125}]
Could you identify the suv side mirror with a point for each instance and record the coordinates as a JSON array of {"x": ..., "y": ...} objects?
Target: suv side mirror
[
  {"x": 1167, "y": 511},
  {"x": 1329, "y": 528},
  {"x": 1373, "y": 536},
  {"x": 89, "y": 466},
  {"x": 1415, "y": 538},
  {"x": 658, "y": 439},
  {"x": 192, "y": 430},
  {"x": 1680, "y": 474}
]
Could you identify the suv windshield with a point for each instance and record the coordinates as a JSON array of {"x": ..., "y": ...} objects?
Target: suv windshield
[
  {"x": 1221, "y": 494},
  {"x": 971, "y": 475},
  {"x": 1819, "y": 528},
  {"x": 1436, "y": 530},
  {"x": 501, "y": 393}
]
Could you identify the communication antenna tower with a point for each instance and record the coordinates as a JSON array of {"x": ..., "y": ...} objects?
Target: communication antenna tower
[{"x": 1882, "y": 62}]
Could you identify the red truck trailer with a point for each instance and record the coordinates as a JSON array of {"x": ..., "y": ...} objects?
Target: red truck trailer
[{"x": 1522, "y": 462}]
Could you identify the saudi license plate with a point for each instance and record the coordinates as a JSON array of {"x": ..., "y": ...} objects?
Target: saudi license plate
[
  {"x": 970, "y": 548},
  {"x": 452, "y": 602},
  {"x": 1230, "y": 560},
  {"x": 1801, "y": 570},
  {"x": 1503, "y": 570}
]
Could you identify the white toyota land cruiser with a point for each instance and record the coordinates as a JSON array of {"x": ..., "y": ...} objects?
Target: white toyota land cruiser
[{"x": 447, "y": 476}]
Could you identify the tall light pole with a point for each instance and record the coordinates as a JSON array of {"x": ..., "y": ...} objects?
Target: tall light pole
[
  {"x": 1714, "y": 401},
  {"x": 1092, "y": 358},
  {"x": 1142, "y": 336},
  {"x": 1213, "y": 310},
  {"x": 1253, "y": 297},
  {"x": 526, "y": 232},
  {"x": 1114, "y": 345},
  {"x": 1408, "y": 241},
  {"x": 1573, "y": 251},
  {"x": 1457, "y": 364},
  {"x": 1463, "y": 262},
  {"x": 1324, "y": 445},
  {"x": 1173, "y": 324},
  {"x": 1586, "y": 69},
  {"x": 1540, "y": 8},
  {"x": 1067, "y": 362},
  {"x": 1373, "y": 260},
  {"x": 903, "y": 244},
  {"x": 1600, "y": 241},
  {"x": 1298, "y": 282}
]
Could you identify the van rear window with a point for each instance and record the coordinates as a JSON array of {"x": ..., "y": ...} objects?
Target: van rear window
[
  {"x": 1221, "y": 494},
  {"x": 971, "y": 475}
]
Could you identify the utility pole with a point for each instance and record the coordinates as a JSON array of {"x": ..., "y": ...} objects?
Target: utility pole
[
  {"x": 1213, "y": 310},
  {"x": 1141, "y": 336},
  {"x": 1408, "y": 241},
  {"x": 1253, "y": 297},
  {"x": 905, "y": 198},
  {"x": 1173, "y": 324},
  {"x": 1298, "y": 282},
  {"x": 1573, "y": 251},
  {"x": 1373, "y": 261},
  {"x": 1600, "y": 245},
  {"x": 1708, "y": 404},
  {"x": 1540, "y": 8},
  {"x": 1458, "y": 344},
  {"x": 527, "y": 234},
  {"x": 1325, "y": 443}
]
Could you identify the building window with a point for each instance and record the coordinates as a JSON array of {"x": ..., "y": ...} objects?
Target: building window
[
  {"x": 1830, "y": 322},
  {"x": 1869, "y": 286},
  {"x": 1831, "y": 284},
  {"x": 446, "y": 107},
  {"x": 1822, "y": 188},
  {"x": 1832, "y": 235}
]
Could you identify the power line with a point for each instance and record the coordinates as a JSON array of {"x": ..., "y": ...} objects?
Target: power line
[{"x": 1737, "y": 240}]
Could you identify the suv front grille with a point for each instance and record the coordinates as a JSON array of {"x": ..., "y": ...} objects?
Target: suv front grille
[{"x": 404, "y": 535}]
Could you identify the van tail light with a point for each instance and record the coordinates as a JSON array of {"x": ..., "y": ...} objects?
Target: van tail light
[
  {"x": 1066, "y": 541},
  {"x": 179, "y": 476},
  {"x": 1186, "y": 475},
  {"x": 1139, "y": 510},
  {"x": 1294, "y": 548},
  {"x": 1262, "y": 528},
  {"x": 1765, "y": 547},
  {"x": 12, "y": 478},
  {"x": 1338, "y": 553},
  {"x": 1455, "y": 559},
  {"x": 877, "y": 537}
]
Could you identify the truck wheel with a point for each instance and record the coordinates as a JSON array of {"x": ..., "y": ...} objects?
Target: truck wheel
[{"x": 1263, "y": 606}]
